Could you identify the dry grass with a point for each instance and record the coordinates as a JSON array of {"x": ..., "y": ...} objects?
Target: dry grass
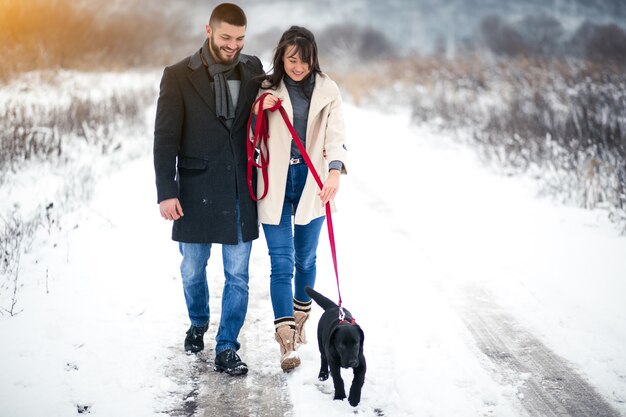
[
  {"x": 473, "y": 71},
  {"x": 42, "y": 34},
  {"x": 43, "y": 131}
]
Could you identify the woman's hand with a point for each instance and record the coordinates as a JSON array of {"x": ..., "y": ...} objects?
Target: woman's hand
[
  {"x": 330, "y": 188},
  {"x": 269, "y": 101}
]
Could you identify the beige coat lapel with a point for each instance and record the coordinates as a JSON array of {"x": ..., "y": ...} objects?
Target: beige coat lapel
[{"x": 322, "y": 95}]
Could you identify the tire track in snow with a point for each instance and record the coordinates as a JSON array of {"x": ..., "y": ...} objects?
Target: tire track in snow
[{"x": 548, "y": 385}]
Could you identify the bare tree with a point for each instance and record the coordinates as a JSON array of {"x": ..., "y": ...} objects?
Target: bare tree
[
  {"x": 601, "y": 43},
  {"x": 501, "y": 38},
  {"x": 542, "y": 34}
]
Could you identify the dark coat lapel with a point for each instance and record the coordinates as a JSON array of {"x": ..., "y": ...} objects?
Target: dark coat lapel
[{"x": 199, "y": 78}]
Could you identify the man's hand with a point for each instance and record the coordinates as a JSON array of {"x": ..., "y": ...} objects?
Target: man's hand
[
  {"x": 331, "y": 186},
  {"x": 170, "y": 209}
]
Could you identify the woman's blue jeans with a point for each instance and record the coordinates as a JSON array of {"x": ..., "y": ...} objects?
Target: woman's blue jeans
[
  {"x": 292, "y": 247},
  {"x": 235, "y": 295}
]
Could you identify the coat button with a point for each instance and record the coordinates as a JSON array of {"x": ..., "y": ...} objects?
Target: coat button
[
  {"x": 204, "y": 201},
  {"x": 227, "y": 167}
]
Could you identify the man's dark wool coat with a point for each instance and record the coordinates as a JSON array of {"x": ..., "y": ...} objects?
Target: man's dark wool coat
[{"x": 198, "y": 159}]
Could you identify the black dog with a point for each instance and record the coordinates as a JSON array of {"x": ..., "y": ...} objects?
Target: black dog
[{"x": 341, "y": 346}]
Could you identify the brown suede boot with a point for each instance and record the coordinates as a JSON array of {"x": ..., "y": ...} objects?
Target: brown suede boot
[
  {"x": 289, "y": 358},
  {"x": 301, "y": 312},
  {"x": 301, "y": 319}
]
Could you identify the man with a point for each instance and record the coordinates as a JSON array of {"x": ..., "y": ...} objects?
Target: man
[{"x": 200, "y": 165}]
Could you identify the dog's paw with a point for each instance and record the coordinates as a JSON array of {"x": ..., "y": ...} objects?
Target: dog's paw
[
  {"x": 323, "y": 376},
  {"x": 354, "y": 400},
  {"x": 339, "y": 396}
]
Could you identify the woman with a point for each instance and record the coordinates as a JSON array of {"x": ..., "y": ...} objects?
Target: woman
[{"x": 313, "y": 103}]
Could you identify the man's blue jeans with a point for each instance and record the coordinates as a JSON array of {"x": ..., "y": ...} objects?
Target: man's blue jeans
[
  {"x": 235, "y": 296},
  {"x": 292, "y": 247}
]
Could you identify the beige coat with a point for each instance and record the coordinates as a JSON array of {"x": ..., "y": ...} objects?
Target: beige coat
[{"x": 325, "y": 133}]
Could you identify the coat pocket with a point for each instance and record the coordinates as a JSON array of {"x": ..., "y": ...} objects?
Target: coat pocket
[{"x": 193, "y": 164}]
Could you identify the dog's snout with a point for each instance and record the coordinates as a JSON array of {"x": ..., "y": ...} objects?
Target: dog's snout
[{"x": 350, "y": 363}]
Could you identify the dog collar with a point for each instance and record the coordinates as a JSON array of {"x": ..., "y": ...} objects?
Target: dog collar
[
  {"x": 342, "y": 317},
  {"x": 351, "y": 322}
]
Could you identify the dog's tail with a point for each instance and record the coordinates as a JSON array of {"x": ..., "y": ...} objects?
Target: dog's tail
[{"x": 322, "y": 301}]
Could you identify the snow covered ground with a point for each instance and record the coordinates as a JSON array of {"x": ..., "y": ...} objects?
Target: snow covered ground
[{"x": 422, "y": 228}]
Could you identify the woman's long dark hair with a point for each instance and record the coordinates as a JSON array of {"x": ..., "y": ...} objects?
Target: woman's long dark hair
[{"x": 306, "y": 47}]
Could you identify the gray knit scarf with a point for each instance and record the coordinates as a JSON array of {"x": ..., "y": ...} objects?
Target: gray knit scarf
[{"x": 223, "y": 101}]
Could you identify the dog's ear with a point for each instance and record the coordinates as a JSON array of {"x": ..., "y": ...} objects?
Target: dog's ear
[
  {"x": 332, "y": 334},
  {"x": 361, "y": 333}
]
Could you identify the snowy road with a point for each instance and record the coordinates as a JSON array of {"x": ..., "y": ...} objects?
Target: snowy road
[{"x": 452, "y": 291}]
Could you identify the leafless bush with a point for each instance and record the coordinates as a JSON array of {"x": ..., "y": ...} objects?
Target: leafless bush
[{"x": 15, "y": 235}]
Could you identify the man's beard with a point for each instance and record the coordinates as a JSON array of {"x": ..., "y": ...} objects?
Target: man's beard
[{"x": 217, "y": 52}]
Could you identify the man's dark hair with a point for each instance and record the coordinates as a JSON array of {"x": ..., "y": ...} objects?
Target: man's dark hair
[{"x": 229, "y": 13}]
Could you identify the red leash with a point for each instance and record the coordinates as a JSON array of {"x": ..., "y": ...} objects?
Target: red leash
[{"x": 258, "y": 143}]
